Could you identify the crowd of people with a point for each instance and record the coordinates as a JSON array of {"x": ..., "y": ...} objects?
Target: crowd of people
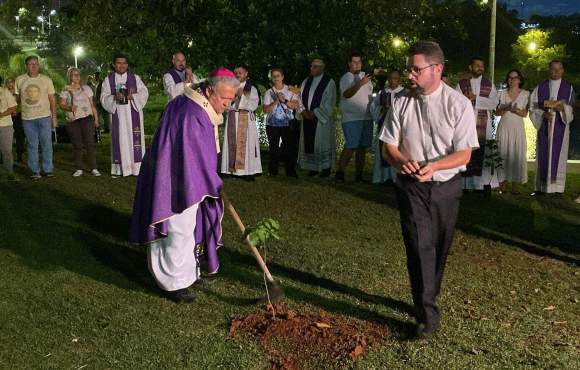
[
  {"x": 433, "y": 141},
  {"x": 300, "y": 123}
]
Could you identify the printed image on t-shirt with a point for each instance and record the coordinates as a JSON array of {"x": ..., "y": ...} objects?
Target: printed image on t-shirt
[{"x": 32, "y": 95}]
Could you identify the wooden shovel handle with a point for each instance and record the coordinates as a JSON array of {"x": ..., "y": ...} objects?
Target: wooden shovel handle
[{"x": 232, "y": 211}]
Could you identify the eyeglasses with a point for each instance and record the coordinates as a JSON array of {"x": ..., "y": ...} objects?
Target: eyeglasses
[{"x": 416, "y": 71}]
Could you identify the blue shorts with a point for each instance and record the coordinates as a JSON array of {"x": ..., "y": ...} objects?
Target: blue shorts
[{"x": 358, "y": 134}]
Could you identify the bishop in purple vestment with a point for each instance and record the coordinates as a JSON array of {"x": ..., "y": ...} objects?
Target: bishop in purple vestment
[{"x": 178, "y": 210}]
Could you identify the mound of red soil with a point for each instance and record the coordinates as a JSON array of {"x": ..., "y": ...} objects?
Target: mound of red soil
[{"x": 295, "y": 340}]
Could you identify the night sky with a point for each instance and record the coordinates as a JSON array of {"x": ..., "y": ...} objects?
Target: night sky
[{"x": 545, "y": 7}]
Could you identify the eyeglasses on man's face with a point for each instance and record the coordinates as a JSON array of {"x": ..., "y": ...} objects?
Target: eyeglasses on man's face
[{"x": 416, "y": 71}]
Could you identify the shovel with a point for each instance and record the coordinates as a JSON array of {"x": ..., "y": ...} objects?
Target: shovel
[{"x": 273, "y": 289}]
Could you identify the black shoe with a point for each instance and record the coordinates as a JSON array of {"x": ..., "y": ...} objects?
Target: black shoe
[
  {"x": 249, "y": 178},
  {"x": 426, "y": 331},
  {"x": 207, "y": 280},
  {"x": 312, "y": 173},
  {"x": 537, "y": 193},
  {"x": 181, "y": 296},
  {"x": 358, "y": 177},
  {"x": 292, "y": 174},
  {"x": 339, "y": 176},
  {"x": 325, "y": 172},
  {"x": 49, "y": 174}
]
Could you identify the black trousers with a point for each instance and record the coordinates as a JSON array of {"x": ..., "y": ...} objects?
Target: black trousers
[
  {"x": 19, "y": 136},
  {"x": 428, "y": 215},
  {"x": 281, "y": 146}
]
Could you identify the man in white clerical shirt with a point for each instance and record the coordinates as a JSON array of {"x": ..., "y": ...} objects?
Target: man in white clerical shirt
[
  {"x": 178, "y": 77},
  {"x": 123, "y": 96},
  {"x": 356, "y": 90},
  {"x": 429, "y": 134},
  {"x": 241, "y": 146},
  {"x": 483, "y": 96},
  {"x": 382, "y": 171},
  {"x": 552, "y": 111},
  {"x": 318, "y": 133}
]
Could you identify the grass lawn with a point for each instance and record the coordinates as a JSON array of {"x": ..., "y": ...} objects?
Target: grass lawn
[{"x": 74, "y": 296}]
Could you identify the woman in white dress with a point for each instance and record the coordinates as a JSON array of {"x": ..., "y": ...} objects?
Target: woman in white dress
[{"x": 511, "y": 135}]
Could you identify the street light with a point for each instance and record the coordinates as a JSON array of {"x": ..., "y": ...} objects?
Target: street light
[
  {"x": 397, "y": 42},
  {"x": 532, "y": 46},
  {"x": 17, "y": 17},
  {"x": 77, "y": 52},
  {"x": 40, "y": 19},
  {"x": 52, "y": 13}
]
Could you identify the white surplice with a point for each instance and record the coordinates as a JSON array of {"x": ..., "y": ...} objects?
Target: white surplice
[
  {"x": 128, "y": 165},
  {"x": 567, "y": 116},
  {"x": 324, "y": 154},
  {"x": 173, "y": 89},
  {"x": 489, "y": 104},
  {"x": 253, "y": 163}
]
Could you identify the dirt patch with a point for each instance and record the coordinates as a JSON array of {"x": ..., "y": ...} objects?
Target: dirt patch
[{"x": 296, "y": 341}]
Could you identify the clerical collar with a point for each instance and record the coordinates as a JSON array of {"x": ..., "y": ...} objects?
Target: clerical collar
[
  {"x": 202, "y": 101},
  {"x": 434, "y": 94}
]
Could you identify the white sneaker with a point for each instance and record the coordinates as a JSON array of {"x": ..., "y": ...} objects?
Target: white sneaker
[
  {"x": 78, "y": 173},
  {"x": 577, "y": 200},
  {"x": 95, "y": 172}
]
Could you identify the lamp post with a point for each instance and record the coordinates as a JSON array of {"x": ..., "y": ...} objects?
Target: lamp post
[
  {"x": 77, "y": 52},
  {"x": 40, "y": 19},
  {"x": 492, "y": 39},
  {"x": 17, "y": 17},
  {"x": 52, "y": 13}
]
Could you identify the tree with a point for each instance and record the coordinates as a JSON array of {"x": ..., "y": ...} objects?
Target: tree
[{"x": 534, "y": 50}]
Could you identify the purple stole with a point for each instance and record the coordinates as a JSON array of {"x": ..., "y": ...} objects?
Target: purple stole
[
  {"x": 309, "y": 125},
  {"x": 135, "y": 122},
  {"x": 176, "y": 77},
  {"x": 475, "y": 165},
  {"x": 543, "y": 143}
]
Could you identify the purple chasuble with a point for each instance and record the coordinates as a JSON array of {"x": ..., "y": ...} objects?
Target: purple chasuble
[
  {"x": 475, "y": 165},
  {"x": 309, "y": 125},
  {"x": 176, "y": 77},
  {"x": 135, "y": 122},
  {"x": 543, "y": 141},
  {"x": 179, "y": 171}
]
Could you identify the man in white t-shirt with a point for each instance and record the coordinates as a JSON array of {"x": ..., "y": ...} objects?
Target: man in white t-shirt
[{"x": 356, "y": 91}]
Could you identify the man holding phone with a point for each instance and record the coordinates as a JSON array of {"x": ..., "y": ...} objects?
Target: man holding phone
[{"x": 356, "y": 91}]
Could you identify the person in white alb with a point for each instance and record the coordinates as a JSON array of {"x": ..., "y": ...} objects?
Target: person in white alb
[
  {"x": 318, "y": 133},
  {"x": 483, "y": 96},
  {"x": 123, "y": 96},
  {"x": 241, "y": 146},
  {"x": 551, "y": 111},
  {"x": 429, "y": 135},
  {"x": 178, "y": 77}
]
